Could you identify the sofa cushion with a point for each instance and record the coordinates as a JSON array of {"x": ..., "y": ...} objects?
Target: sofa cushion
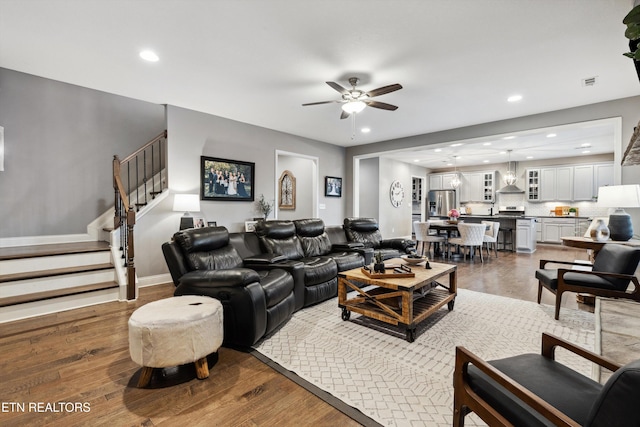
[
  {"x": 363, "y": 230},
  {"x": 617, "y": 403},
  {"x": 347, "y": 260},
  {"x": 318, "y": 270},
  {"x": 550, "y": 278},
  {"x": 277, "y": 285},
  {"x": 313, "y": 239},
  {"x": 207, "y": 248},
  {"x": 279, "y": 237}
]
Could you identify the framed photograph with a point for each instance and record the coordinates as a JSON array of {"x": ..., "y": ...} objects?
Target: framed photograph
[
  {"x": 332, "y": 186},
  {"x": 212, "y": 223},
  {"x": 250, "y": 226},
  {"x": 223, "y": 179},
  {"x": 199, "y": 222}
]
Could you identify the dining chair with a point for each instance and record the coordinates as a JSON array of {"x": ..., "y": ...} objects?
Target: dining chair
[
  {"x": 491, "y": 235},
  {"x": 471, "y": 236},
  {"x": 423, "y": 236}
]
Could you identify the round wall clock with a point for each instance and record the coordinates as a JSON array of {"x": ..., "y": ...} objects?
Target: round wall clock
[{"x": 396, "y": 193}]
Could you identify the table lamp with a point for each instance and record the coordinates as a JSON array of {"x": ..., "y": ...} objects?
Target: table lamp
[
  {"x": 186, "y": 203},
  {"x": 620, "y": 197}
]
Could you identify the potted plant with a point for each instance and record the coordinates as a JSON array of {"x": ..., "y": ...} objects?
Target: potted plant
[
  {"x": 378, "y": 266},
  {"x": 264, "y": 207},
  {"x": 632, "y": 21}
]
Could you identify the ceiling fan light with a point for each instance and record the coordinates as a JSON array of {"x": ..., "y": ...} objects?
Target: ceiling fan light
[{"x": 353, "y": 106}]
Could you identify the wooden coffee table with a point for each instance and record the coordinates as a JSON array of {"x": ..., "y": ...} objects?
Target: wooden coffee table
[{"x": 400, "y": 301}]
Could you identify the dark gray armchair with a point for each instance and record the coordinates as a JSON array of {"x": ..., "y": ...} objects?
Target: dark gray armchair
[
  {"x": 535, "y": 390},
  {"x": 613, "y": 270}
]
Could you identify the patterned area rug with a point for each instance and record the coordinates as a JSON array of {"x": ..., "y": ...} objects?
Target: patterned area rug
[{"x": 397, "y": 383}]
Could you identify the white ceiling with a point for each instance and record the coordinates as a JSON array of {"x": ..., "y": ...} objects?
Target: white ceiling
[{"x": 257, "y": 61}]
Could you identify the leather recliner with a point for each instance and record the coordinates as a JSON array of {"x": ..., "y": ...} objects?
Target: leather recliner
[
  {"x": 315, "y": 242},
  {"x": 320, "y": 272},
  {"x": 255, "y": 302},
  {"x": 367, "y": 232}
]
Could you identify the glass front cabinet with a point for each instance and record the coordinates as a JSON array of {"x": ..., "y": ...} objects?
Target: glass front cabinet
[{"x": 533, "y": 184}]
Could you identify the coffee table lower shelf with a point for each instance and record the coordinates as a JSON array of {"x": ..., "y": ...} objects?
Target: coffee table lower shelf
[{"x": 392, "y": 312}]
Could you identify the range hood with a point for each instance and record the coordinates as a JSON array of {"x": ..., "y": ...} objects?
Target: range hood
[{"x": 509, "y": 189}]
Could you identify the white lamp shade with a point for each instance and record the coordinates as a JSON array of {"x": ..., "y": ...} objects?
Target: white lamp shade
[
  {"x": 186, "y": 203},
  {"x": 619, "y": 196},
  {"x": 353, "y": 106}
]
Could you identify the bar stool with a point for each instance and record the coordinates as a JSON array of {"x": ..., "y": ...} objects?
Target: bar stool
[{"x": 506, "y": 233}]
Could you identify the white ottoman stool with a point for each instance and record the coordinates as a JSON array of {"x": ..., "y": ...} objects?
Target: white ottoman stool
[{"x": 175, "y": 331}]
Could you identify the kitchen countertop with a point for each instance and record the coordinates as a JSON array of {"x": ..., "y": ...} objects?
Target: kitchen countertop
[{"x": 522, "y": 216}]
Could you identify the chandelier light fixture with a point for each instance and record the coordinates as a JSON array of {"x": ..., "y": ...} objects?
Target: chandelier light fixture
[
  {"x": 510, "y": 177},
  {"x": 455, "y": 182}
]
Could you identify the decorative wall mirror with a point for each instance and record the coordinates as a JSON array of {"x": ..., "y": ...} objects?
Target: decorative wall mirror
[{"x": 287, "y": 191}]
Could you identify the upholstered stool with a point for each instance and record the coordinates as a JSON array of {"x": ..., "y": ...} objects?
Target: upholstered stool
[{"x": 175, "y": 331}]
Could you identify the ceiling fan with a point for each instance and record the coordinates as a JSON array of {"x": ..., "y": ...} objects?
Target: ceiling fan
[{"x": 355, "y": 100}]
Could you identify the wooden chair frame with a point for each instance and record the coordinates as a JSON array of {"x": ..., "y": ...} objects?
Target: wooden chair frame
[
  {"x": 565, "y": 287},
  {"x": 465, "y": 400}
]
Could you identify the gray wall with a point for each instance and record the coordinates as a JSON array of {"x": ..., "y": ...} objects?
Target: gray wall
[
  {"x": 60, "y": 140},
  {"x": 368, "y": 188},
  {"x": 302, "y": 169},
  {"x": 628, "y": 109},
  {"x": 192, "y": 134}
]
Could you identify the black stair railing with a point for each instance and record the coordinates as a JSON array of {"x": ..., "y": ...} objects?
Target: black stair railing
[{"x": 140, "y": 177}]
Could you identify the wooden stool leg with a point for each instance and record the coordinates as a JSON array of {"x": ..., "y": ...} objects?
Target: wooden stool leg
[
  {"x": 145, "y": 376},
  {"x": 202, "y": 368}
]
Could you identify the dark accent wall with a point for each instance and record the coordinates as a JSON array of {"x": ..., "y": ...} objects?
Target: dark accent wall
[{"x": 59, "y": 142}]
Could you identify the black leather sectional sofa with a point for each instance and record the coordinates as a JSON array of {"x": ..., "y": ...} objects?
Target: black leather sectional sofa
[{"x": 263, "y": 277}]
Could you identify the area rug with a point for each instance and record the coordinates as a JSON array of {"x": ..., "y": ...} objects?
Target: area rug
[{"x": 397, "y": 383}]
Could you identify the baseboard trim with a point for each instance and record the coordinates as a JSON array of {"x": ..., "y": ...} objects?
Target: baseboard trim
[{"x": 158, "y": 279}]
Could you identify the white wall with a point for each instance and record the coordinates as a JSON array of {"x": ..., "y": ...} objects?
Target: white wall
[{"x": 394, "y": 222}]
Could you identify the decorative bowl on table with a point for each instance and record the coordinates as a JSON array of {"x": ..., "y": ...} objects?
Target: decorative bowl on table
[
  {"x": 452, "y": 221},
  {"x": 413, "y": 259}
]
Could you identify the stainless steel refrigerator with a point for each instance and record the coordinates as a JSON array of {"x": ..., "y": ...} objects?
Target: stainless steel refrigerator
[{"x": 440, "y": 202}]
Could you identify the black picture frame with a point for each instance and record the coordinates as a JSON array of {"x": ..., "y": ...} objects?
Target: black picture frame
[
  {"x": 332, "y": 186},
  {"x": 220, "y": 179}
]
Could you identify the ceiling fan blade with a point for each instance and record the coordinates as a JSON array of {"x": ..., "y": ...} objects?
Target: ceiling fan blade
[
  {"x": 381, "y": 105},
  {"x": 337, "y": 87},
  {"x": 321, "y": 102},
  {"x": 344, "y": 115},
  {"x": 384, "y": 89}
]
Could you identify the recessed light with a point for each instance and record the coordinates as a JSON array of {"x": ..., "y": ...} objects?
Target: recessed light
[
  {"x": 149, "y": 55},
  {"x": 529, "y": 157},
  {"x": 416, "y": 160},
  {"x": 487, "y": 143},
  {"x": 586, "y": 151},
  {"x": 485, "y": 161},
  {"x": 365, "y": 130},
  {"x": 457, "y": 144},
  {"x": 509, "y": 137},
  {"x": 449, "y": 164},
  {"x": 551, "y": 135},
  {"x": 514, "y": 98},
  {"x": 437, "y": 150},
  {"x": 586, "y": 144},
  {"x": 503, "y": 152}
]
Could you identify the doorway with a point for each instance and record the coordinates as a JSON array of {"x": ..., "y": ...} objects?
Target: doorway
[{"x": 303, "y": 171}]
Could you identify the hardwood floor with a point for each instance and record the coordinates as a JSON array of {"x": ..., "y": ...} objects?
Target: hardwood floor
[{"x": 78, "y": 363}]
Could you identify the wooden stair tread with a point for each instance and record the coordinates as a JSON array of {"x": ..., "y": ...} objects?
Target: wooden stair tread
[
  {"x": 39, "y": 296},
  {"x": 54, "y": 272},
  {"x": 33, "y": 251}
]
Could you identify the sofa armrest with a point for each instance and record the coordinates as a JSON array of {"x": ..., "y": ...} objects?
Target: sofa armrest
[
  {"x": 219, "y": 278},
  {"x": 263, "y": 259},
  {"x": 293, "y": 267}
]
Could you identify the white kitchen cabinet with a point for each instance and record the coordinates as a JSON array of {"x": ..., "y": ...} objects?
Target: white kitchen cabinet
[
  {"x": 553, "y": 229},
  {"x": 441, "y": 181},
  {"x": 471, "y": 187},
  {"x": 556, "y": 183},
  {"x": 602, "y": 176},
  {"x": 526, "y": 235},
  {"x": 547, "y": 184},
  {"x": 533, "y": 185},
  {"x": 583, "y": 182},
  {"x": 488, "y": 186},
  {"x": 538, "y": 229}
]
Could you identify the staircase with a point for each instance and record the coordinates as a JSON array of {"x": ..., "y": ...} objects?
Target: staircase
[
  {"x": 42, "y": 279},
  {"x": 46, "y": 278}
]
